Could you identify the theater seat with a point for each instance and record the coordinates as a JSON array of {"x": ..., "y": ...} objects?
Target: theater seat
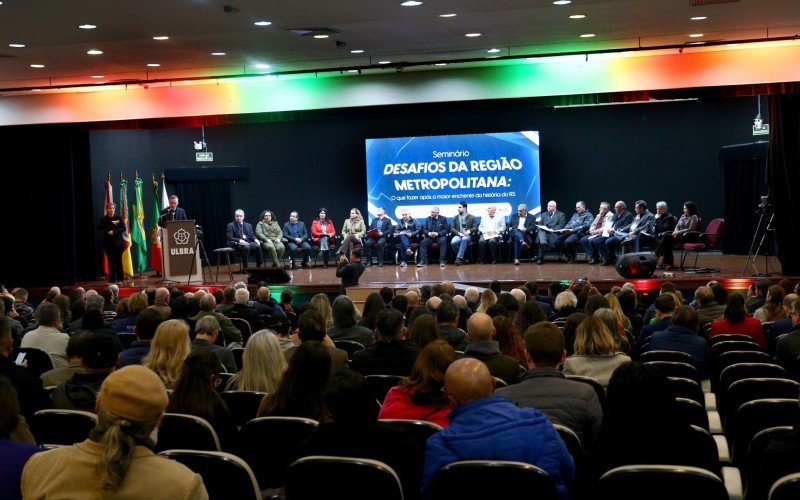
[
  {"x": 665, "y": 482},
  {"x": 482, "y": 479},
  {"x": 224, "y": 475},
  {"x": 331, "y": 477},
  {"x": 707, "y": 241}
]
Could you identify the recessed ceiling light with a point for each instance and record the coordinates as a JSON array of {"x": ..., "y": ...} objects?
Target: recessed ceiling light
[
  {"x": 321, "y": 36},
  {"x": 440, "y": 64},
  {"x": 697, "y": 43},
  {"x": 452, "y": 14},
  {"x": 562, "y": 2},
  {"x": 357, "y": 51},
  {"x": 262, "y": 23},
  {"x": 17, "y": 45},
  {"x": 577, "y": 16},
  {"x": 218, "y": 53},
  {"x": 472, "y": 35},
  {"x": 493, "y": 51},
  {"x": 352, "y": 71},
  {"x": 699, "y": 18},
  {"x": 87, "y": 26},
  {"x": 94, "y": 52},
  {"x": 695, "y": 35},
  {"x": 161, "y": 37},
  {"x": 36, "y": 90},
  {"x": 37, "y": 65},
  {"x": 98, "y": 76},
  {"x": 384, "y": 62},
  {"x": 153, "y": 65},
  {"x": 263, "y": 66},
  {"x": 587, "y": 35},
  {"x": 411, "y": 3}
]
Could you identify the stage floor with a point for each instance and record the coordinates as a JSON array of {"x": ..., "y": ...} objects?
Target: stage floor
[{"x": 316, "y": 279}]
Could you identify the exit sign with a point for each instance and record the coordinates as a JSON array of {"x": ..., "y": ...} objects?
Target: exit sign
[{"x": 204, "y": 156}]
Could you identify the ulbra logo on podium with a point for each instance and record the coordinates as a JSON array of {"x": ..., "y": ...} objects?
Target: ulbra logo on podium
[{"x": 181, "y": 237}]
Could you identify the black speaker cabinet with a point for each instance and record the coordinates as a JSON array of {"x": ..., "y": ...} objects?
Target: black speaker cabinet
[
  {"x": 269, "y": 275},
  {"x": 636, "y": 265}
]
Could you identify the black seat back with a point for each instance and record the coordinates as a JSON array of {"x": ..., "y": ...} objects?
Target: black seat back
[
  {"x": 755, "y": 416},
  {"x": 481, "y": 479},
  {"x": 186, "y": 432},
  {"x": 660, "y": 482},
  {"x": 224, "y": 475},
  {"x": 319, "y": 477},
  {"x": 243, "y": 405},
  {"x": 63, "y": 427}
]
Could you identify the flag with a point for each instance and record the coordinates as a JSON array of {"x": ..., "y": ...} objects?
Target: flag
[
  {"x": 155, "y": 234},
  {"x": 109, "y": 199},
  {"x": 138, "y": 239},
  {"x": 164, "y": 197},
  {"x": 127, "y": 263}
]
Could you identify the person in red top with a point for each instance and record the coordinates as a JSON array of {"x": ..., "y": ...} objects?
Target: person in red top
[
  {"x": 736, "y": 320},
  {"x": 323, "y": 232},
  {"x": 420, "y": 396}
]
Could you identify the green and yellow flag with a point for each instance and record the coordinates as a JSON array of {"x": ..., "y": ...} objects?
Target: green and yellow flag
[
  {"x": 137, "y": 234},
  {"x": 127, "y": 263},
  {"x": 155, "y": 240}
]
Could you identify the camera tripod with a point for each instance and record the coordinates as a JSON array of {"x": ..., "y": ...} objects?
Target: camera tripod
[
  {"x": 763, "y": 243},
  {"x": 204, "y": 262}
]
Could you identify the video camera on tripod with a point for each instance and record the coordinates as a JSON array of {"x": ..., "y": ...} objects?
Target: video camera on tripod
[{"x": 763, "y": 238}]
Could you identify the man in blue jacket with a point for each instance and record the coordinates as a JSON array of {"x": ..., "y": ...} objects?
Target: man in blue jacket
[{"x": 484, "y": 427}]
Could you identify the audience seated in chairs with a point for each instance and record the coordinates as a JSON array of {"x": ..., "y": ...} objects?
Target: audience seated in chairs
[
  {"x": 58, "y": 376},
  {"x": 242, "y": 239},
  {"x": 344, "y": 323},
  {"x": 47, "y": 336},
  {"x": 299, "y": 393},
  {"x": 498, "y": 429},
  {"x": 596, "y": 354},
  {"x": 168, "y": 350},
  {"x": 544, "y": 387},
  {"x": 14, "y": 450},
  {"x": 195, "y": 394},
  {"x": 263, "y": 364},
  {"x": 231, "y": 335},
  {"x": 119, "y": 460},
  {"x": 736, "y": 320},
  {"x": 98, "y": 355},
  {"x": 311, "y": 327},
  {"x": 682, "y": 336},
  {"x": 392, "y": 354},
  {"x": 323, "y": 235},
  {"x": 420, "y": 396},
  {"x": 146, "y": 324},
  {"x": 241, "y": 309},
  {"x": 206, "y": 332},
  {"x": 355, "y": 431},
  {"x": 641, "y": 425}
]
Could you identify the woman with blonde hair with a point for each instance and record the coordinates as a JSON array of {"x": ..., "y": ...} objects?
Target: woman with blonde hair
[
  {"x": 353, "y": 231},
  {"x": 488, "y": 299},
  {"x": 263, "y": 364},
  {"x": 168, "y": 350},
  {"x": 322, "y": 305},
  {"x": 597, "y": 354},
  {"x": 614, "y": 305}
]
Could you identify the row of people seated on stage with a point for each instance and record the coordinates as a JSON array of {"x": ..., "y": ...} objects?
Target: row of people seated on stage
[{"x": 601, "y": 236}]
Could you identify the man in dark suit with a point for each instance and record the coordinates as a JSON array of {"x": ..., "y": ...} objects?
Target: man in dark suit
[
  {"x": 463, "y": 229},
  {"x": 392, "y": 354},
  {"x": 553, "y": 220},
  {"x": 242, "y": 238},
  {"x": 380, "y": 230},
  {"x": 665, "y": 307},
  {"x": 522, "y": 226},
  {"x": 433, "y": 231},
  {"x": 297, "y": 238},
  {"x": 407, "y": 231},
  {"x": 172, "y": 212}
]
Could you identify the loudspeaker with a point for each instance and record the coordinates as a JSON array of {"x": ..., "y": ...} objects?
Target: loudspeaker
[
  {"x": 271, "y": 275},
  {"x": 636, "y": 265}
]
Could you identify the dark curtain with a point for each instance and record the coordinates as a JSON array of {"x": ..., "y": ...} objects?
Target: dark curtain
[
  {"x": 209, "y": 204},
  {"x": 784, "y": 167},
  {"x": 745, "y": 167}
]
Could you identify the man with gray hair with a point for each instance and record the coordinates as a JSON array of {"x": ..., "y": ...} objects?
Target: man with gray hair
[
  {"x": 206, "y": 331},
  {"x": 242, "y": 310},
  {"x": 640, "y": 223},
  {"x": 522, "y": 227},
  {"x": 608, "y": 242},
  {"x": 93, "y": 301},
  {"x": 232, "y": 335},
  {"x": 48, "y": 337},
  {"x": 548, "y": 223},
  {"x": 599, "y": 229},
  {"x": 161, "y": 303},
  {"x": 473, "y": 297},
  {"x": 242, "y": 238},
  {"x": 662, "y": 222},
  {"x": 491, "y": 229},
  {"x": 572, "y": 233}
]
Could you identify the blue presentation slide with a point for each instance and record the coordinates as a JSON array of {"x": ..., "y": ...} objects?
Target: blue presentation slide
[{"x": 418, "y": 173}]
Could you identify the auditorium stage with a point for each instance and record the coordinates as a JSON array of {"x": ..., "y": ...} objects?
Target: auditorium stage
[{"x": 319, "y": 280}]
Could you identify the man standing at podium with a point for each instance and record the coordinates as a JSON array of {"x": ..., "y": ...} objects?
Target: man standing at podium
[{"x": 172, "y": 212}]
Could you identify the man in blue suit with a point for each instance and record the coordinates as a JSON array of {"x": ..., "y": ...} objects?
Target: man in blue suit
[
  {"x": 296, "y": 236},
  {"x": 242, "y": 238},
  {"x": 380, "y": 230}
]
